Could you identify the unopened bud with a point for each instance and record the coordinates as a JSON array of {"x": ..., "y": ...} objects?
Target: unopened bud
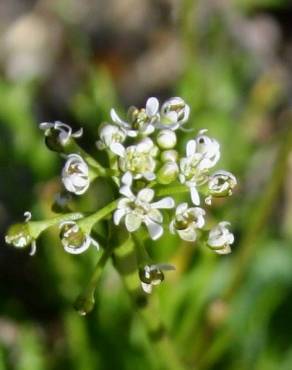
[
  {"x": 74, "y": 240},
  {"x": 166, "y": 139},
  {"x": 169, "y": 156},
  {"x": 221, "y": 184},
  {"x": 19, "y": 236},
  {"x": 167, "y": 173}
]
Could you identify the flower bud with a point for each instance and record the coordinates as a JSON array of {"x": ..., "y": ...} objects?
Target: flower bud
[
  {"x": 19, "y": 235},
  {"x": 74, "y": 240},
  {"x": 75, "y": 175},
  {"x": 221, "y": 184},
  {"x": 169, "y": 156},
  {"x": 166, "y": 139},
  {"x": 167, "y": 173},
  {"x": 174, "y": 113}
]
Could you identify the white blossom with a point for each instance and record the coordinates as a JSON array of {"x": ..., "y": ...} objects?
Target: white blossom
[
  {"x": 220, "y": 238},
  {"x": 109, "y": 135},
  {"x": 174, "y": 113},
  {"x": 138, "y": 209},
  {"x": 210, "y": 150},
  {"x": 64, "y": 131},
  {"x": 75, "y": 174},
  {"x": 141, "y": 121},
  {"x": 189, "y": 171},
  {"x": 201, "y": 154},
  {"x": 74, "y": 240},
  {"x": 187, "y": 221},
  {"x": 138, "y": 159}
]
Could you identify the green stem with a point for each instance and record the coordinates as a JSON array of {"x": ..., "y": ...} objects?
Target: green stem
[
  {"x": 171, "y": 190},
  {"x": 73, "y": 147},
  {"x": 125, "y": 261},
  {"x": 37, "y": 227},
  {"x": 85, "y": 301},
  {"x": 87, "y": 223}
]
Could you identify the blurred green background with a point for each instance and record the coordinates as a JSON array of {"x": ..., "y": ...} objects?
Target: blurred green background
[{"x": 73, "y": 60}]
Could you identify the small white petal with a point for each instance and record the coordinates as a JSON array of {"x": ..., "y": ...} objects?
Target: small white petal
[
  {"x": 188, "y": 234},
  {"x": 132, "y": 133},
  {"x": 191, "y": 148},
  {"x": 145, "y": 195},
  {"x": 155, "y": 230},
  {"x": 127, "y": 192},
  {"x": 115, "y": 117},
  {"x": 132, "y": 222},
  {"x": 127, "y": 179},
  {"x": 172, "y": 228},
  {"x": 149, "y": 176},
  {"x": 118, "y": 149},
  {"x": 145, "y": 145},
  {"x": 166, "y": 267},
  {"x": 182, "y": 207},
  {"x": 152, "y": 106},
  {"x": 165, "y": 203},
  {"x": 146, "y": 287},
  {"x": 172, "y": 117},
  {"x": 155, "y": 215},
  {"x": 225, "y": 250},
  {"x": 45, "y": 125},
  {"x": 33, "y": 248},
  {"x": 79, "y": 250},
  {"x": 78, "y": 133},
  {"x": 118, "y": 215},
  {"x": 195, "y": 195}
]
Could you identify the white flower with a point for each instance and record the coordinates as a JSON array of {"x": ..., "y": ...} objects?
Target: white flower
[
  {"x": 63, "y": 131},
  {"x": 201, "y": 154},
  {"x": 174, "y": 113},
  {"x": 166, "y": 139},
  {"x": 138, "y": 209},
  {"x": 221, "y": 183},
  {"x": 189, "y": 171},
  {"x": 109, "y": 135},
  {"x": 141, "y": 121},
  {"x": 187, "y": 221},
  {"x": 75, "y": 174},
  {"x": 74, "y": 240},
  {"x": 137, "y": 159},
  {"x": 151, "y": 275},
  {"x": 210, "y": 150},
  {"x": 220, "y": 238}
]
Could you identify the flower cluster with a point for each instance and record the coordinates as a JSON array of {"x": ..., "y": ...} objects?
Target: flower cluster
[{"x": 148, "y": 169}]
